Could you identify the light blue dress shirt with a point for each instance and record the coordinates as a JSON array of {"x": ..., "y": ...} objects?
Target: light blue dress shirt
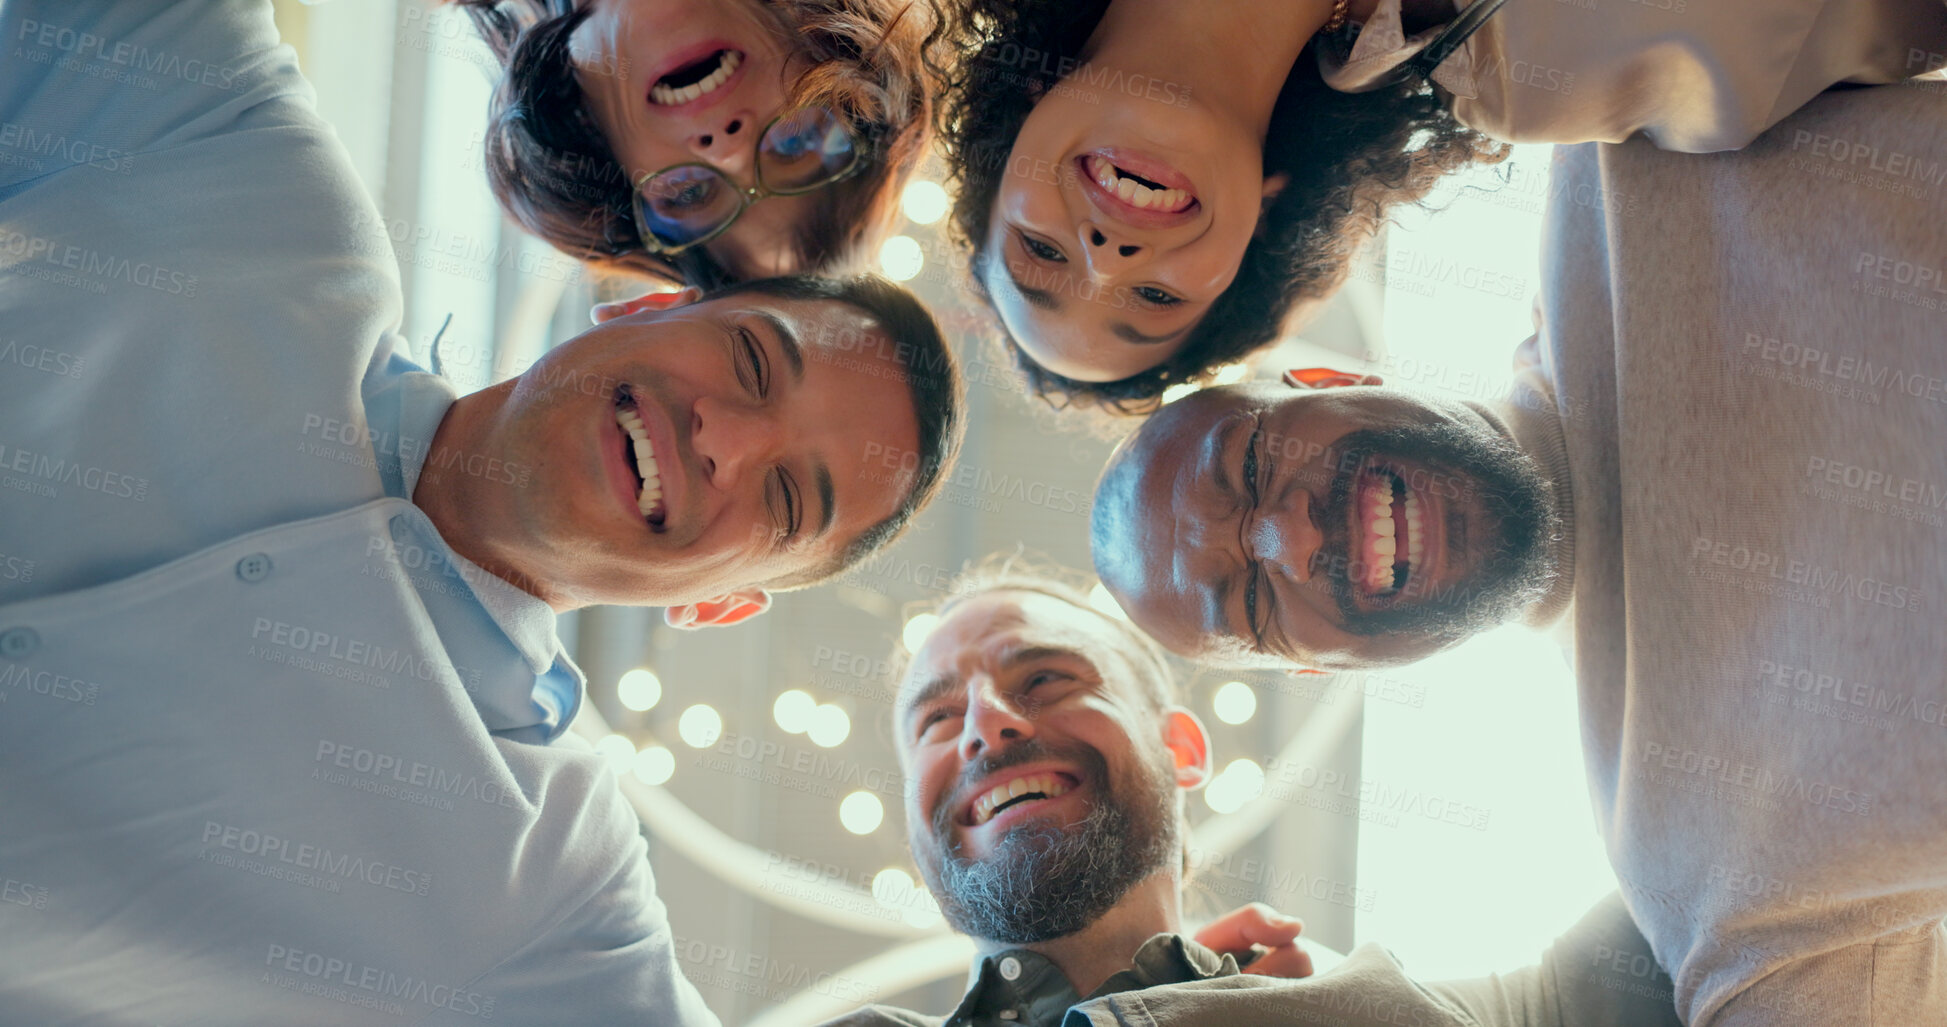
[{"x": 270, "y": 750}]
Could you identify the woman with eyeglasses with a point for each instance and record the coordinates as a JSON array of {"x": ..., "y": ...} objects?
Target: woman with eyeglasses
[
  {"x": 703, "y": 142},
  {"x": 1150, "y": 187}
]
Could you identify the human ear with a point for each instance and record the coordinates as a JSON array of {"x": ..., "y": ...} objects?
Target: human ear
[
  {"x": 601, "y": 313},
  {"x": 1189, "y": 746},
  {"x": 1273, "y": 185},
  {"x": 721, "y": 612},
  {"x": 1327, "y": 378}
]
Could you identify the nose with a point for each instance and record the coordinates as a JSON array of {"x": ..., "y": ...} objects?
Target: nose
[
  {"x": 731, "y": 440},
  {"x": 1284, "y": 538},
  {"x": 992, "y": 721},
  {"x": 727, "y": 142},
  {"x": 1109, "y": 254}
]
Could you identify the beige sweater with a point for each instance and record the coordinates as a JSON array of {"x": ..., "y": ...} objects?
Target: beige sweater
[
  {"x": 1695, "y": 75},
  {"x": 1749, "y": 353}
]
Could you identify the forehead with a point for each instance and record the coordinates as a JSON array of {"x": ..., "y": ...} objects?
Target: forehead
[{"x": 977, "y": 632}]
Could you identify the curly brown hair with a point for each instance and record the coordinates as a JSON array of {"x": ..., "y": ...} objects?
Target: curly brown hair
[
  {"x": 553, "y": 171},
  {"x": 1350, "y": 158}
]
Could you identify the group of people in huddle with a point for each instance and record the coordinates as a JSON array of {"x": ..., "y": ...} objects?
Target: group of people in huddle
[{"x": 284, "y": 735}]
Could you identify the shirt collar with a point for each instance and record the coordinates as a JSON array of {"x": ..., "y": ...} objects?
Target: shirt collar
[
  {"x": 423, "y": 400},
  {"x": 1033, "y": 989},
  {"x": 404, "y": 415}
]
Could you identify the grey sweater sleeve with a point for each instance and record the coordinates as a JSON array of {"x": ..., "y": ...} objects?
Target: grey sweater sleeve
[
  {"x": 1756, "y": 343},
  {"x": 1599, "y": 974}
]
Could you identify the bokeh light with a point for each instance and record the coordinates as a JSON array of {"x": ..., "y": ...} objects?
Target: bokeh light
[
  {"x": 654, "y": 765},
  {"x": 700, "y": 726},
  {"x": 792, "y": 710},
  {"x": 901, "y": 258},
  {"x": 892, "y": 888},
  {"x": 829, "y": 725},
  {"x": 1234, "y": 702},
  {"x": 914, "y": 634},
  {"x": 639, "y": 689},
  {"x": 924, "y": 202},
  {"x": 924, "y": 911},
  {"x": 1238, "y": 783},
  {"x": 861, "y": 813},
  {"x": 619, "y": 751}
]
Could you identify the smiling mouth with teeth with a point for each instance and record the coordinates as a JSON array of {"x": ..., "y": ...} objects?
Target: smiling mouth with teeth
[
  {"x": 639, "y": 454},
  {"x": 1135, "y": 190},
  {"x": 1020, "y": 791},
  {"x": 698, "y": 78},
  {"x": 1391, "y": 542}
]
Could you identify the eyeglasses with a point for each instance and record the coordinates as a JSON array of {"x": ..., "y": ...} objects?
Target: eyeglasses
[{"x": 686, "y": 205}]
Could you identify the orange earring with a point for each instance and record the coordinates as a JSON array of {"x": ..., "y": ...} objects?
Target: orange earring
[{"x": 1318, "y": 378}]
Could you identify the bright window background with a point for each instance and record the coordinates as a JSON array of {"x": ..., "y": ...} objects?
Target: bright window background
[
  {"x": 1496, "y": 744},
  {"x": 456, "y": 244}
]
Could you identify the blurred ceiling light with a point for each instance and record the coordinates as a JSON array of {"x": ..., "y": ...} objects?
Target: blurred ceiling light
[
  {"x": 654, "y": 765},
  {"x": 895, "y": 889},
  {"x": 901, "y": 258},
  {"x": 1234, "y": 702},
  {"x": 925, "y": 202},
  {"x": 619, "y": 750},
  {"x": 923, "y": 911},
  {"x": 914, "y": 634},
  {"x": 829, "y": 725},
  {"x": 639, "y": 689},
  {"x": 861, "y": 813},
  {"x": 792, "y": 710},
  {"x": 700, "y": 726},
  {"x": 1237, "y": 784},
  {"x": 892, "y": 887}
]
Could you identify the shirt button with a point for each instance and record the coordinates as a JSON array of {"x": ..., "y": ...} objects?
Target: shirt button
[
  {"x": 1010, "y": 968},
  {"x": 254, "y": 568},
  {"x": 18, "y": 642}
]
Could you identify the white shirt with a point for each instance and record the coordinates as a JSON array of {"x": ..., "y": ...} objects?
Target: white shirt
[{"x": 270, "y": 751}]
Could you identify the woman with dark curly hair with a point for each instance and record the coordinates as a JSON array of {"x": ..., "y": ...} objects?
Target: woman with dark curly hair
[
  {"x": 703, "y": 142},
  {"x": 1150, "y": 187}
]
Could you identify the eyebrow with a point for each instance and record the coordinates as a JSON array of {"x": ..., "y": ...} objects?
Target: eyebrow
[
  {"x": 823, "y": 475},
  {"x": 1041, "y": 298},
  {"x": 1127, "y": 332},
  {"x": 938, "y": 686},
  {"x": 787, "y": 340}
]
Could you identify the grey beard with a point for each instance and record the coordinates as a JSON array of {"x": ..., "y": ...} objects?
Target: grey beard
[{"x": 1042, "y": 883}]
